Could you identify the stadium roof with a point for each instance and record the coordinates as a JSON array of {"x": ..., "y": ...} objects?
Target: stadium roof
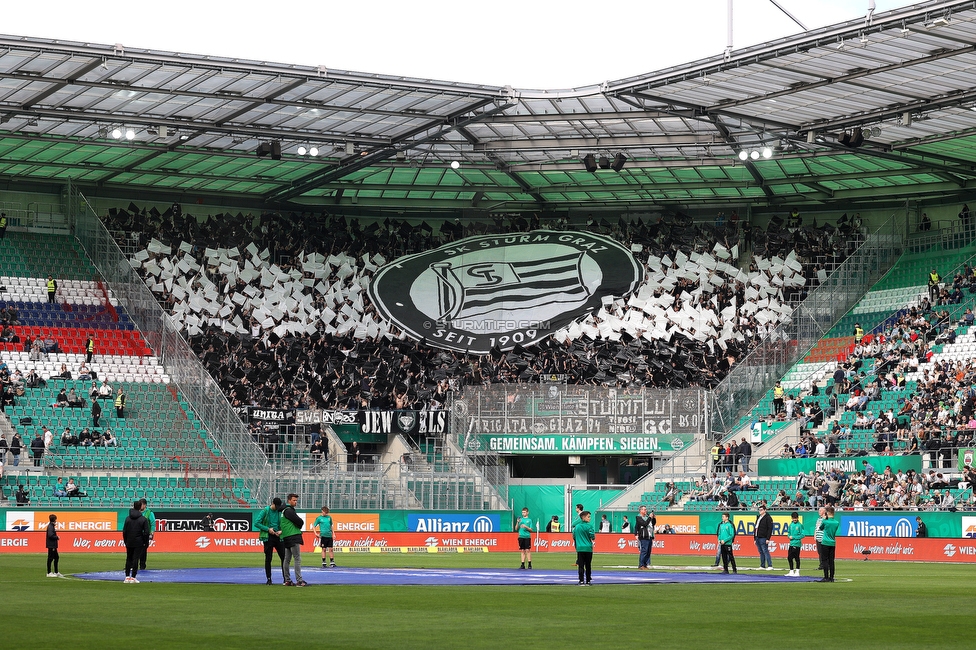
[{"x": 906, "y": 78}]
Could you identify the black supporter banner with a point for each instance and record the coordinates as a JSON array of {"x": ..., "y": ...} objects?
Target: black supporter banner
[
  {"x": 268, "y": 415},
  {"x": 212, "y": 520},
  {"x": 388, "y": 422}
]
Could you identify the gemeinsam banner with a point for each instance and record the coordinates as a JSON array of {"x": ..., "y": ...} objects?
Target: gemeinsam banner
[{"x": 848, "y": 548}]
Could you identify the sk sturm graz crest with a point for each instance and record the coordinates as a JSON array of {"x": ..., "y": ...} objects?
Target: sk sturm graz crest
[{"x": 502, "y": 290}]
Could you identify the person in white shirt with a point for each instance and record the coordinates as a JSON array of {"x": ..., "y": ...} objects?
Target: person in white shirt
[
  {"x": 948, "y": 501},
  {"x": 821, "y": 451},
  {"x": 48, "y": 437}
]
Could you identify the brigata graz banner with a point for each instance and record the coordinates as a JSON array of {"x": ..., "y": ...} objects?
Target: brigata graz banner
[
  {"x": 499, "y": 291},
  {"x": 556, "y": 418}
]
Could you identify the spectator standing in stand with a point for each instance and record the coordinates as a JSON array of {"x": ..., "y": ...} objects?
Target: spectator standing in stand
[
  {"x": 745, "y": 451},
  {"x": 37, "y": 449},
  {"x": 120, "y": 403},
  {"x": 934, "y": 280}
]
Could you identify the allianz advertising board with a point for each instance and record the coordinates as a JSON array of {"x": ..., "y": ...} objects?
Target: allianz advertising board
[
  {"x": 877, "y": 526},
  {"x": 453, "y": 523}
]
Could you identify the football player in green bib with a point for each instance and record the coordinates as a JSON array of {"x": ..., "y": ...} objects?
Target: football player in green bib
[
  {"x": 524, "y": 528},
  {"x": 323, "y": 528},
  {"x": 583, "y": 538}
]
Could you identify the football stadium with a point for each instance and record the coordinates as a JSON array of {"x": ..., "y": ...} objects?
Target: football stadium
[{"x": 679, "y": 359}]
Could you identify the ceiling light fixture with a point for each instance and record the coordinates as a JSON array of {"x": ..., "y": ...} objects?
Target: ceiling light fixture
[
  {"x": 117, "y": 133},
  {"x": 455, "y": 164}
]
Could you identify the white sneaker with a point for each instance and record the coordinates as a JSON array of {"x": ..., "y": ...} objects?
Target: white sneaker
[
  {"x": 134, "y": 580},
  {"x": 52, "y": 575},
  {"x": 58, "y": 575},
  {"x": 769, "y": 568},
  {"x": 127, "y": 580}
]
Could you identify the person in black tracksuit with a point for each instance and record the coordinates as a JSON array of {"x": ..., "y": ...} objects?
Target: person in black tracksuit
[
  {"x": 51, "y": 542},
  {"x": 135, "y": 535}
]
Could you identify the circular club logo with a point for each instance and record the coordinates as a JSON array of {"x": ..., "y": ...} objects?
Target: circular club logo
[
  {"x": 499, "y": 291},
  {"x": 482, "y": 525}
]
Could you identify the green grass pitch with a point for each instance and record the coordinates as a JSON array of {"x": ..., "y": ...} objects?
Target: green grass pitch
[{"x": 884, "y": 605}]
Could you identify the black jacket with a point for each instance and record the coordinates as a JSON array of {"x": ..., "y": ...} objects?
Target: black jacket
[
  {"x": 764, "y": 527},
  {"x": 135, "y": 531},
  {"x": 37, "y": 446},
  {"x": 51, "y": 541},
  {"x": 645, "y": 527}
]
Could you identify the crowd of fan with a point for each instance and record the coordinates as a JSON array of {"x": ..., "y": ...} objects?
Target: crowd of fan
[
  {"x": 936, "y": 420},
  {"x": 864, "y": 489},
  {"x": 356, "y": 361}
]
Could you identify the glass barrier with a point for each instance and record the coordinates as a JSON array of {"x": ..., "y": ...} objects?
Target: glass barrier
[{"x": 754, "y": 375}]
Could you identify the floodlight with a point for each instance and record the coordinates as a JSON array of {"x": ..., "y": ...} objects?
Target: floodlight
[
  {"x": 314, "y": 151},
  {"x": 754, "y": 155},
  {"x": 767, "y": 152},
  {"x": 130, "y": 134},
  {"x": 455, "y": 164},
  {"x": 117, "y": 133},
  {"x": 743, "y": 155},
  {"x": 302, "y": 151}
]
